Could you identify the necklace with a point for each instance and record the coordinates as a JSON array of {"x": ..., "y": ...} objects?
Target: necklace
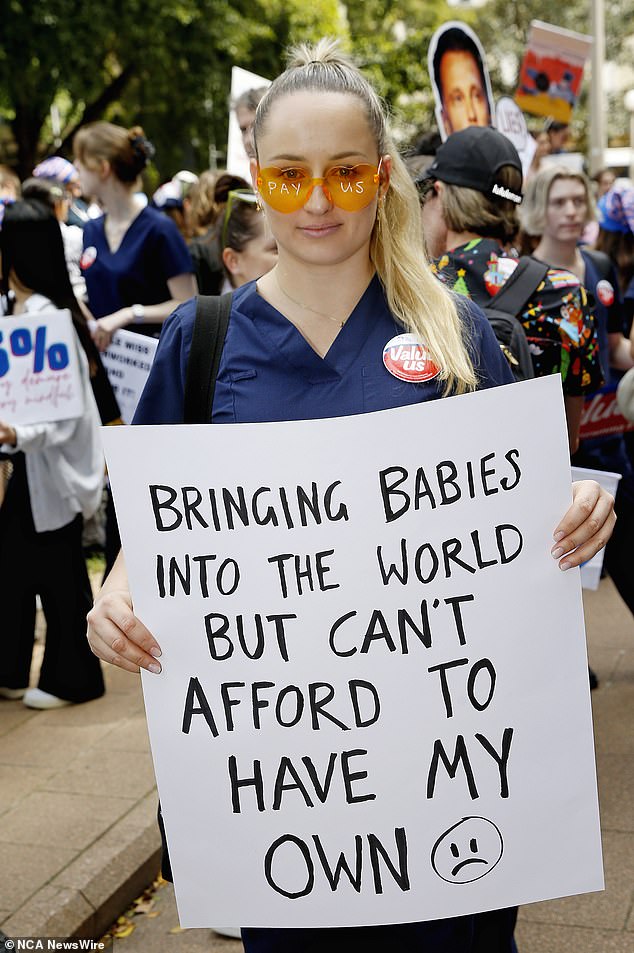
[{"x": 307, "y": 307}]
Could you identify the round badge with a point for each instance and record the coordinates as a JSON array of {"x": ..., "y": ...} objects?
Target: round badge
[
  {"x": 605, "y": 293},
  {"x": 88, "y": 257},
  {"x": 408, "y": 360}
]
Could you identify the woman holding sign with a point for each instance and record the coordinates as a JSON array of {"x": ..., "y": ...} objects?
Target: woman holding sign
[{"x": 325, "y": 334}]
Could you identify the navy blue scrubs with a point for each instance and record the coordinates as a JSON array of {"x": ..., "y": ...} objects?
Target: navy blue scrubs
[
  {"x": 269, "y": 372},
  {"x": 152, "y": 251}
]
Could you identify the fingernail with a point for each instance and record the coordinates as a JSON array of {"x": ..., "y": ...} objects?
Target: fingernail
[
  {"x": 155, "y": 668},
  {"x": 556, "y": 553},
  {"x": 564, "y": 566},
  {"x": 155, "y": 651},
  {"x": 558, "y": 536}
]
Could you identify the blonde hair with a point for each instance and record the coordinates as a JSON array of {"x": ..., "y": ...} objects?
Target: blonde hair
[
  {"x": 203, "y": 210},
  {"x": 415, "y": 297},
  {"x": 535, "y": 205},
  {"x": 127, "y": 150}
]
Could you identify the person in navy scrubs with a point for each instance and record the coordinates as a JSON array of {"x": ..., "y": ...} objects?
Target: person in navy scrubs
[
  {"x": 135, "y": 262},
  {"x": 307, "y": 341}
]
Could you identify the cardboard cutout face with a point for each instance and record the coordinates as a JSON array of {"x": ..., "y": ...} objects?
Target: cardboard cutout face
[{"x": 460, "y": 79}]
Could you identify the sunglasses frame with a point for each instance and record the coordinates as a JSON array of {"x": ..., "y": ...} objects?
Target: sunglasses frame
[
  {"x": 235, "y": 195},
  {"x": 322, "y": 181}
]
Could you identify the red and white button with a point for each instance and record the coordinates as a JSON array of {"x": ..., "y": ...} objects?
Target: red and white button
[
  {"x": 605, "y": 292},
  {"x": 88, "y": 257},
  {"x": 407, "y": 359}
]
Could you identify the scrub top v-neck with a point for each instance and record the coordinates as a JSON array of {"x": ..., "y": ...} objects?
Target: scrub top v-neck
[
  {"x": 151, "y": 252},
  {"x": 269, "y": 372}
]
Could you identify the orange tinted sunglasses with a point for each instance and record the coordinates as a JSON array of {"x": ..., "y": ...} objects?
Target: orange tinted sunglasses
[{"x": 348, "y": 187}]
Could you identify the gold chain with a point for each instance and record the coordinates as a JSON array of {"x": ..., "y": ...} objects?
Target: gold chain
[{"x": 307, "y": 307}]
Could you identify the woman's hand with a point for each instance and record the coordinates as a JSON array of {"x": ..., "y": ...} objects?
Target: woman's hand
[
  {"x": 7, "y": 434},
  {"x": 114, "y": 632},
  {"x": 103, "y": 329},
  {"x": 117, "y": 636},
  {"x": 586, "y": 526}
]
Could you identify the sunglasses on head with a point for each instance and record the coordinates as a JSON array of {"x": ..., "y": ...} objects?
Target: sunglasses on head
[
  {"x": 236, "y": 195},
  {"x": 351, "y": 188}
]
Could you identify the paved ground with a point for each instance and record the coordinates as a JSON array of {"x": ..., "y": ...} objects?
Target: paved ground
[{"x": 78, "y": 840}]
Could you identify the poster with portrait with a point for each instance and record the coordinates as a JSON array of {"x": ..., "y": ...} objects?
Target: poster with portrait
[
  {"x": 551, "y": 73},
  {"x": 460, "y": 79}
]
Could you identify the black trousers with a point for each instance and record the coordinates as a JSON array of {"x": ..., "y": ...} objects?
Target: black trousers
[{"x": 52, "y": 566}]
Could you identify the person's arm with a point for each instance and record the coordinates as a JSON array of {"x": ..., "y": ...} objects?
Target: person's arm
[
  {"x": 8, "y": 435},
  {"x": 621, "y": 351},
  {"x": 574, "y": 408},
  {"x": 181, "y": 287},
  {"x": 29, "y": 437},
  {"x": 114, "y": 632}
]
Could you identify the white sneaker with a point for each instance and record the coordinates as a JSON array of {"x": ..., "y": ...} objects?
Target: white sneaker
[
  {"x": 36, "y": 698},
  {"x": 11, "y": 694},
  {"x": 228, "y": 931}
]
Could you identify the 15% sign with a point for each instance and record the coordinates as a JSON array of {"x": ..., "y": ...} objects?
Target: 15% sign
[
  {"x": 39, "y": 368},
  {"x": 22, "y": 342}
]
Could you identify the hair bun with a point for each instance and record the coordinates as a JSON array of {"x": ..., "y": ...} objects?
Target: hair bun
[
  {"x": 142, "y": 149},
  {"x": 326, "y": 51}
]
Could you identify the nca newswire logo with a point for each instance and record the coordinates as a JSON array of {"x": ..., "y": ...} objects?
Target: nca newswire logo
[
  {"x": 503, "y": 193},
  {"x": 51, "y": 943}
]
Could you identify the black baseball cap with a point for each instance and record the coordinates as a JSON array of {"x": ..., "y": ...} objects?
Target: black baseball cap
[{"x": 472, "y": 158}]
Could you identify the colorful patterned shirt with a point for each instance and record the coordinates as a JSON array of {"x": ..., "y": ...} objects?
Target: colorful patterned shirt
[{"x": 558, "y": 320}]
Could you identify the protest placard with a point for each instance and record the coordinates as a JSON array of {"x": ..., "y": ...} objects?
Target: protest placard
[
  {"x": 552, "y": 70},
  {"x": 39, "y": 368},
  {"x": 127, "y": 361},
  {"x": 510, "y": 121},
  {"x": 374, "y": 704},
  {"x": 237, "y": 159}
]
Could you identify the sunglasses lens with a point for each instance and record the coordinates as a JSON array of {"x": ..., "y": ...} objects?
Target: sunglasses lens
[
  {"x": 285, "y": 190},
  {"x": 353, "y": 188}
]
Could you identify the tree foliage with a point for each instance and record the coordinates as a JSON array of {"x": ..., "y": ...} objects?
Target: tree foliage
[{"x": 167, "y": 65}]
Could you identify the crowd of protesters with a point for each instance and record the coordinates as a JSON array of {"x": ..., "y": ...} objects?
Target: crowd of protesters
[{"x": 143, "y": 258}]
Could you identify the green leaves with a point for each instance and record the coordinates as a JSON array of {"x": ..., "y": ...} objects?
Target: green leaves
[{"x": 167, "y": 65}]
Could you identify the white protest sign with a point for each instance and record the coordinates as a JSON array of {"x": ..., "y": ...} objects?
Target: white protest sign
[
  {"x": 39, "y": 368},
  {"x": 237, "y": 159},
  {"x": 374, "y": 704},
  {"x": 510, "y": 121},
  {"x": 127, "y": 361}
]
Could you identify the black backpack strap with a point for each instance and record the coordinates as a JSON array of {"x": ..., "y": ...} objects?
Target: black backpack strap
[
  {"x": 210, "y": 329},
  {"x": 520, "y": 286}
]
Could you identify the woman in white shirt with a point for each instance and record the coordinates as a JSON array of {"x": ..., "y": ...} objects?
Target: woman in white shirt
[{"x": 56, "y": 482}]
